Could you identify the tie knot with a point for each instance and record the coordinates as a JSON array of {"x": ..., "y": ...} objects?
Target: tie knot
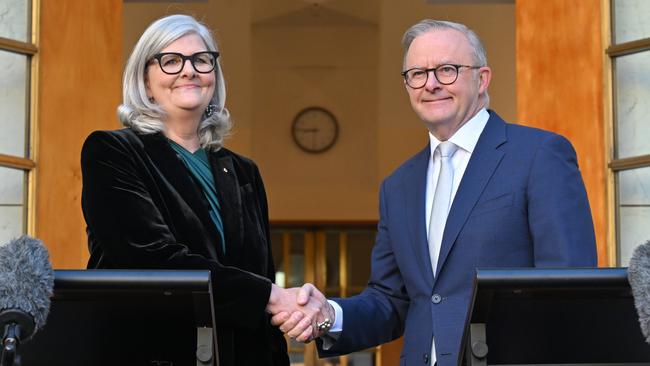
[{"x": 447, "y": 149}]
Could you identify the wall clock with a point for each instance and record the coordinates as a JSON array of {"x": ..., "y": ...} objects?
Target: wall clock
[{"x": 315, "y": 130}]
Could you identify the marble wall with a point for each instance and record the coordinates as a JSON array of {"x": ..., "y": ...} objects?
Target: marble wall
[
  {"x": 632, "y": 95},
  {"x": 15, "y": 20},
  {"x": 631, "y": 20},
  {"x": 632, "y": 108},
  {"x": 633, "y": 211},
  {"x": 14, "y": 116}
]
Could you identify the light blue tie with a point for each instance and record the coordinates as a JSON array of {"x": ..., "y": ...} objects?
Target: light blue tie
[
  {"x": 441, "y": 200},
  {"x": 440, "y": 209}
]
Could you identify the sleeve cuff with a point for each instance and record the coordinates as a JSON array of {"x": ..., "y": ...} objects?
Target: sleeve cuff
[{"x": 333, "y": 334}]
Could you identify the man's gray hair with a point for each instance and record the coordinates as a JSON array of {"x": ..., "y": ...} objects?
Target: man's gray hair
[
  {"x": 428, "y": 25},
  {"x": 145, "y": 116}
]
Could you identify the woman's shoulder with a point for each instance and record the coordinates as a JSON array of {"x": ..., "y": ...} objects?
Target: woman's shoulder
[
  {"x": 121, "y": 137},
  {"x": 111, "y": 142},
  {"x": 124, "y": 134}
]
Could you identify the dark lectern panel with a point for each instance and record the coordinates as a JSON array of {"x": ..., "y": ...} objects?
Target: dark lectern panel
[
  {"x": 584, "y": 329},
  {"x": 110, "y": 333},
  {"x": 556, "y": 317},
  {"x": 122, "y": 321}
]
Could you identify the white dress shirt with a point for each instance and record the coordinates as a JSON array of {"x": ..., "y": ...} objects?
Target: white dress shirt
[{"x": 466, "y": 139}]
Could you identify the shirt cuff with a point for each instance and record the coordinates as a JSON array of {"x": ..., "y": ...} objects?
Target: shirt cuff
[{"x": 338, "y": 317}]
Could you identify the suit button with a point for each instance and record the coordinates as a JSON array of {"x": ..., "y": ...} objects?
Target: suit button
[
  {"x": 436, "y": 299},
  {"x": 426, "y": 358}
]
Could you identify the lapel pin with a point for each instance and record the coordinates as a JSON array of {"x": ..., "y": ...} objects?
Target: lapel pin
[{"x": 225, "y": 170}]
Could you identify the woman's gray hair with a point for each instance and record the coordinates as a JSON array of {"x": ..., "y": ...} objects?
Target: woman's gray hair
[
  {"x": 141, "y": 114},
  {"x": 427, "y": 25}
]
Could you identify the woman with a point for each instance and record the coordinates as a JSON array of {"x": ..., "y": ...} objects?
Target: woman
[{"x": 164, "y": 193}]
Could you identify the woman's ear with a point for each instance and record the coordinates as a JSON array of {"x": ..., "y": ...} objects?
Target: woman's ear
[{"x": 147, "y": 88}]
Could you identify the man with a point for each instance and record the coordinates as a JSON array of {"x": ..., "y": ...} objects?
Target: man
[{"x": 483, "y": 193}]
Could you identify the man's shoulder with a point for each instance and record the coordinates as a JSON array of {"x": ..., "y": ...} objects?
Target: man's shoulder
[
  {"x": 415, "y": 161},
  {"x": 519, "y": 130},
  {"x": 522, "y": 140},
  {"x": 515, "y": 130},
  {"x": 522, "y": 136},
  {"x": 526, "y": 138}
]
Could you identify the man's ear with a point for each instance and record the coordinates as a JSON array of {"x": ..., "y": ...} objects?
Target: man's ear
[{"x": 484, "y": 77}]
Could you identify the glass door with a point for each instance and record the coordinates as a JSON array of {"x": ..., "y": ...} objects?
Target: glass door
[{"x": 335, "y": 258}]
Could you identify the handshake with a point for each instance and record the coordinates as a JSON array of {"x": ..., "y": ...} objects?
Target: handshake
[{"x": 302, "y": 313}]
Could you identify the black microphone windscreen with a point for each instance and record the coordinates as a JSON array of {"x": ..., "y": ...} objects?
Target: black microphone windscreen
[
  {"x": 26, "y": 278},
  {"x": 638, "y": 274}
]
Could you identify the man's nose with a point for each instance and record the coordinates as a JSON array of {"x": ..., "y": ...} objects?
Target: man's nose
[{"x": 432, "y": 81}]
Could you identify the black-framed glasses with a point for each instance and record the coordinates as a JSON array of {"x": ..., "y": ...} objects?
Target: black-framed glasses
[
  {"x": 446, "y": 74},
  {"x": 173, "y": 62}
]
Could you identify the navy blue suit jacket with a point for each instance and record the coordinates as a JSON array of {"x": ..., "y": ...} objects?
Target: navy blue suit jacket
[{"x": 521, "y": 203}]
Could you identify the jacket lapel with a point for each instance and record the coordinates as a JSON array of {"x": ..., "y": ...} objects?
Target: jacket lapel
[
  {"x": 231, "y": 204},
  {"x": 176, "y": 174},
  {"x": 414, "y": 188},
  {"x": 481, "y": 166}
]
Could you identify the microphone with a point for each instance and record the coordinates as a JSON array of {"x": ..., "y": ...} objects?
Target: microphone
[
  {"x": 26, "y": 285},
  {"x": 638, "y": 274}
]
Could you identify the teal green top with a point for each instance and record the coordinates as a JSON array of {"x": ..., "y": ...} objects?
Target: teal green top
[{"x": 199, "y": 166}]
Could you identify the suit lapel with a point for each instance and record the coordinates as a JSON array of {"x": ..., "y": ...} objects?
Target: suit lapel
[
  {"x": 175, "y": 172},
  {"x": 481, "y": 166},
  {"x": 414, "y": 188},
  {"x": 231, "y": 204}
]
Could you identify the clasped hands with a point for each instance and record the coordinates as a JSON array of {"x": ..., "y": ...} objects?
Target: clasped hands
[{"x": 299, "y": 311}]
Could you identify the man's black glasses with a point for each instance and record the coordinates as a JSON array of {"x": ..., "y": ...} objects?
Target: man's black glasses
[{"x": 446, "y": 74}]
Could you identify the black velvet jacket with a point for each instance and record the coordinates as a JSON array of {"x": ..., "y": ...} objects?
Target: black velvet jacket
[{"x": 143, "y": 210}]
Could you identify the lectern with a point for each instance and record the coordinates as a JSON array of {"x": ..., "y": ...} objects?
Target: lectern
[
  {"x": 553, "y": 317},
  {"x": 127, "y": 317}
]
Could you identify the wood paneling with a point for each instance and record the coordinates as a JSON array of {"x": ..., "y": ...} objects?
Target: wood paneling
[
  {"x": 390, "y": 352},
  {"x": 80, "y": 65},
  {"x": 560, "y": 57}
]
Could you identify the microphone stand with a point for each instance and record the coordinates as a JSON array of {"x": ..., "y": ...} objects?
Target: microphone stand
[
  {"x": 9, "y": 344},
  {"x": 17, "y": 325}
]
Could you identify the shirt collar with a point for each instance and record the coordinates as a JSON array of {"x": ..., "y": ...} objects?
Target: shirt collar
[{"x": 467, "y": 135}]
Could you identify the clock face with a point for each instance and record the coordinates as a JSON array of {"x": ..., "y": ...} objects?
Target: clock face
[{"x": 315, "y": 129}]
